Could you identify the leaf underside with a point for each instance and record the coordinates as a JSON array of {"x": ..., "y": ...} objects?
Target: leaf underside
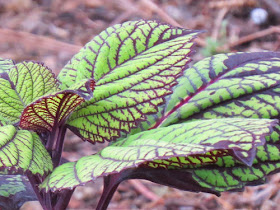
[
  {"x": 15, "y": 190},
  {"x": 52, "y": 110},
  {"x": 193, "y": 145},
  {"x": 135, "y": 65},
  {"x": 22, "y": 150}
]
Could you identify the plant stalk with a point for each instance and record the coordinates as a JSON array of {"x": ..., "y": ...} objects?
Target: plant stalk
[
  {"x": 57, "y": 153},
  {"x": 111, "y": 183},
  {"x": 50, "y": 200},
  {"x": 43, "y": 197},
  {"x": 63, "y": 199}
]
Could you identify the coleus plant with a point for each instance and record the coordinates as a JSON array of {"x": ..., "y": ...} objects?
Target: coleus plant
[{"x": 212, "y": 127}]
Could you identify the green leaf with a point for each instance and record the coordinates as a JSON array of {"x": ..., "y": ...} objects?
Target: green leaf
[
  {"x": 243, "y": 85},
  {"x": 6, "y": 65},
  {"x": 135, "y": 65},
  {"x": 224, "y": 176},
  {"x": 24, "y": 83},
  {"x": 15, "y": 190},
  {"x": 52, "y": 110},
  {"x": 32, "y": 80},
  {"x": 178, "y": 146},
  {"x": 22, "y": 150},
  {"x": 10, "y": 103},
  {"x": 3, "y": 121},
  {"x": 11, "y": 185},
  {"x": 224, "y": 86}
]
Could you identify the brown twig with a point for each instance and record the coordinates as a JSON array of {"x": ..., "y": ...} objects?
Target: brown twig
[
  {"x": 218, "y": 23},
  {"x": 38, "y": 42},
  {"x": 251, "y": 37},
  {"x": 231, "y": 3},
  {"x": 155, "y": 8}
]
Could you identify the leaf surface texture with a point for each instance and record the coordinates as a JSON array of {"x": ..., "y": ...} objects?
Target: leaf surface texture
[
  {"x": 178, "y": 146},
  {"x": 135, "y": 65}
]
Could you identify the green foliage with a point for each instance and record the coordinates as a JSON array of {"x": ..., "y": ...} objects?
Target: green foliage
[
  {"x": 242, "y": 85},
  {"x": 23, "y": 150},
  {"x": 11, "y": 185},
  {"x": 21, "y": 85},
  {"x": 187, "y": 145},
  {"x": 52, "y": 110},
  {"x": 32, "y": 100},
  {"x": 230, "y": 83},
  {"x": 14, "y": 191},
  {"x": 212, "y": 127},
  {"x": 5, "y": 65},
  {"x": 134, "y": 64}
]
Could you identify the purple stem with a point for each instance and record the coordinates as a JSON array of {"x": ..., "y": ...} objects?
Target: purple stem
[
  {"x": 63, "y": 199},
  {"x": 44, "y": 198},
  {"x": 57, "y": 153},
  {"x": 33, "y": 181},
  {"x": 50, "y": 200},
  {"x": 111, "y": 183},
  {"x": 51, "y": 139}
]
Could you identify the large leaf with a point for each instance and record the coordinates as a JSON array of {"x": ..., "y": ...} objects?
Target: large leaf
[
  {"x": 135, "y": 65},
  {"x": 228, "y": 85},
  {"x": 243, "y": 85},
  {"x": 226, "y": 174},
  {"x": 15, "y": 190},
  {"x": 53, "y": 109},
  {"x": 22, "y": 84},
  {"x": 6, "y": 65},
  {"x": 22, "y": 150},
  {"x": 178, "y": 146}
]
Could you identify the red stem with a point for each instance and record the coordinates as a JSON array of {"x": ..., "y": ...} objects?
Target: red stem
[
  {"x": 57, "y": 153},
  {"x": 111, "y": 183},
  {"x": 50, "y": 200}
]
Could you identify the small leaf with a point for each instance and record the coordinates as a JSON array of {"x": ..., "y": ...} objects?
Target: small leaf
[
  {"x": 195, "y": 143},
  {"x": 22, "y": 150},
  {"x": 10, "y": 103},
  {"x": 15, "y": 190},
  {"x": 32, "y": 80},
  {"x": 134, "y": 64},
  {"x": 53, "y": 109},
  {"x": 6, "y": 65},
  {"x": 24, "y": 83}
]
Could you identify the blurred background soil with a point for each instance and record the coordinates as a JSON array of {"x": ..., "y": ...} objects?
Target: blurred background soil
[{"x": 52, "y": 31}]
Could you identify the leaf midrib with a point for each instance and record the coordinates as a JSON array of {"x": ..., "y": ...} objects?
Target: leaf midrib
[
  {"x": 125, "y": 89},
  {"x": 202, "y": 88}
]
